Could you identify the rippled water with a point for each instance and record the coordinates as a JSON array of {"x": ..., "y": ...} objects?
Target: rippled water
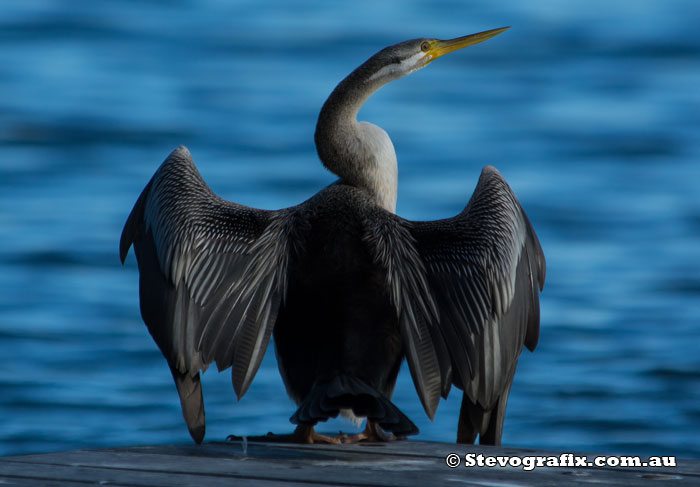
[{"x": 590, "y": 109}]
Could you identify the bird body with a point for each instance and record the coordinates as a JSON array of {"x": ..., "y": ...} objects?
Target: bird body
[
  {"x": 337, "y": 319},
  {"x": 347, "y": 288}
]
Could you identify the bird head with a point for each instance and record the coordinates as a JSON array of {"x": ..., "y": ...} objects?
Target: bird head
[{"x": 406, "y": 57}]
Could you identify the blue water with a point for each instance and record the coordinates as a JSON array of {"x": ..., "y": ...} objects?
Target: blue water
[{"x": 590, "y": 109}]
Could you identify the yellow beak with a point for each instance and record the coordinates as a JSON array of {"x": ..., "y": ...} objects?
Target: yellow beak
[{"x": 440, "y": 48}]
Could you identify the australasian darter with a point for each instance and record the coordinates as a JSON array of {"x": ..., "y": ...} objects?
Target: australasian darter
[{"x": 345, "y": 286}]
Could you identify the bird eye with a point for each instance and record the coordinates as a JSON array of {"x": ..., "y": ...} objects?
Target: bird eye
[{"x": 425, "y": 47}]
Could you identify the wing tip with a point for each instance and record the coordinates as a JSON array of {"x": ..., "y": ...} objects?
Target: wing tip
[
  {"x": 431, "y": 407},
  {"x": 127, "y": 237},
  {"x": 189, "y": 388},
  {"x": 531, "y": 343},
  {"x": 181, "y": 151},
  {"x": 123, "y": 250},
  {"x": 489, "y": 176},
  {"x": 490, "y": 170},
  {"x": 197, "y": 433},
  {"x": 133, "y": 224},
  {"x": 240, "y": 386}
]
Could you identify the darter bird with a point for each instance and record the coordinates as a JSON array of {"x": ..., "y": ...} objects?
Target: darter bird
[{"x": 345, "y": 287}]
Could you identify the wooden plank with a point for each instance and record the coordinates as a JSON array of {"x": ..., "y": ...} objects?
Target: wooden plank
[
  {"x": 78, "y": 475},
  {"x": 373, "y": 465}
]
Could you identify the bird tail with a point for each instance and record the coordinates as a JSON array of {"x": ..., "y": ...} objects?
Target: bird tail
[
  {"x": 190, "y": 390},
  {"x": 327, "y": 399}
]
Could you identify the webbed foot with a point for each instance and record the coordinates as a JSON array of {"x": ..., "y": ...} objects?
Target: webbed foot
[
  {"x": 304, "y": 433},
  {"x": 373, "y": 433}
]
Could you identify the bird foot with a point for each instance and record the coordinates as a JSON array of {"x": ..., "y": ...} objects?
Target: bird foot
[
  {"x": 302, "y": 434},
  {"x": 373, "y": 433}
]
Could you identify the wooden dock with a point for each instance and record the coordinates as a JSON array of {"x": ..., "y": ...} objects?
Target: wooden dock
[{"x": 403, "y": 463}]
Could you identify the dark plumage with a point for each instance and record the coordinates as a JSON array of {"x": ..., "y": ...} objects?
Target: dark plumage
[{"x": 346, "y": 287}]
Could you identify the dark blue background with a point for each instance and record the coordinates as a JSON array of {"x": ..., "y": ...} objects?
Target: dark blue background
[{"x": 590, "y": 109}]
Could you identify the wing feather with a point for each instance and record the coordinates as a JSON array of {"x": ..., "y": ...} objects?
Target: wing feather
[
  {"x": 393, "y": 248},
  {"x": 484, "y": 267},
  {"x": 212, "y": 272},
  {"x": 464, "y": 290}
]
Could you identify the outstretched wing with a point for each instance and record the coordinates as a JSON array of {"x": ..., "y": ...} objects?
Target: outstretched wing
[
  {"x": 466, "y": 292},
  {"x": 484, "y": 268},
  {"x": 212, "y": 274}
]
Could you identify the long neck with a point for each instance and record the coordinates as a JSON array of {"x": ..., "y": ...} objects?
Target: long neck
[{"x": 360, "y": 153}]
